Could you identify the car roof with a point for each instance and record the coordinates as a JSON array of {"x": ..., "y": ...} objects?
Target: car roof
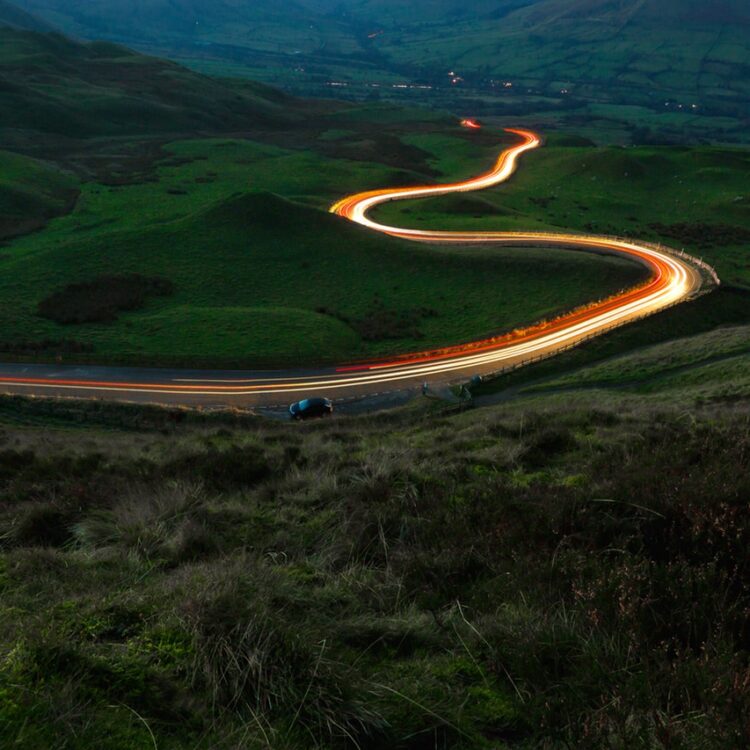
[{"x": 313, "y": 402}]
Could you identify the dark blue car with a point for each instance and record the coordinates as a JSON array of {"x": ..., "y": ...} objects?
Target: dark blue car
[{"x": 311, "y": 408}]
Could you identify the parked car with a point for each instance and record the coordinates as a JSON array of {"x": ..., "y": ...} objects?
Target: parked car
[{"x": 311, "y": 408}]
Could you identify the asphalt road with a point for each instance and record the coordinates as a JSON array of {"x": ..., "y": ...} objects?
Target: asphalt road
[{"x": 673, "y": 279}]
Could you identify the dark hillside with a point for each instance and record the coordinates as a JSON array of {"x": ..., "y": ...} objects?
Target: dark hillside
[
  {"x": 619, "y": 50},
  {"x": 54, "y": 85},
  {"x": 156, "y": 19},
  {"x": 13, "y": 16}
]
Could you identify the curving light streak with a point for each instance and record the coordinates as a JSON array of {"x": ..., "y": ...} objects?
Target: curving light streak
[{"x": 672, "y": 280}]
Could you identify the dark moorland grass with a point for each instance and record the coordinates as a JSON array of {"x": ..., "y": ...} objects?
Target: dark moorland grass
[
  {"x": 217, "y": 581},
  {"x": 100, "y": 300}
]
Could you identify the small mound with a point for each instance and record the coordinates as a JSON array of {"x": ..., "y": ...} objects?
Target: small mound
[{"x": 262, "y": 209}]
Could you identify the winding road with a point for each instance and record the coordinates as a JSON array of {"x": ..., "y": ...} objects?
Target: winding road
[{"x": 673, "y": 278}]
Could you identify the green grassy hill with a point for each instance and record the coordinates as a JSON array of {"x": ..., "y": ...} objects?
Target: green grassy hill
[
  {"x": 259, "y": 280},
  {"x": 248, "y": 277},
  {"x": 695, "y": 198}
]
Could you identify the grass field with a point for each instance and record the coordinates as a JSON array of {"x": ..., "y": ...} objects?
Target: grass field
[
  {"x": 195, "y": 205},
  {"x": 261, "y": 280},
  {"x": 185, "y": 580},
  {"x": 236, "y": 228}
]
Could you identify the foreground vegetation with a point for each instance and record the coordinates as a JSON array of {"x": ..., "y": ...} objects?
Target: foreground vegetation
[{"x": 218, "y": 581}]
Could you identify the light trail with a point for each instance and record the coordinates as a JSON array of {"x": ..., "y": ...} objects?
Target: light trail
[
  {"x": 471, "y": 124},
  {"x": 672, "y": 279}
]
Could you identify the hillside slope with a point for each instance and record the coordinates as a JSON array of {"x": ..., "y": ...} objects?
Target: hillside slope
[
  {"x": 260, "y": 280},
  {"x": 31, "y": 193},
  {"x": 645, "y": 50},
  {"x": 51, "y": 84},
  {"x": 294, "y": 585},
  {"x": 641, "y": 51},
  {"x": 13, "y": 16}
]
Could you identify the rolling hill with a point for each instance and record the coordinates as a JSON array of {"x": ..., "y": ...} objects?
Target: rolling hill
[
  {"x": 52, "y": 84},
  {"x": 260, "y": 280},
  {"x": 627, "y": 51}
]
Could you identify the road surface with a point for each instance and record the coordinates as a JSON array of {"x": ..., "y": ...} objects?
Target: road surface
[{"x": 672, "y": 279}]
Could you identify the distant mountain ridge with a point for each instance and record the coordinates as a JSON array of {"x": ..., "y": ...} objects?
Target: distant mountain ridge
[
  {"x": 642, "y": 51},
  {"x": 15, "y": 17}
]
